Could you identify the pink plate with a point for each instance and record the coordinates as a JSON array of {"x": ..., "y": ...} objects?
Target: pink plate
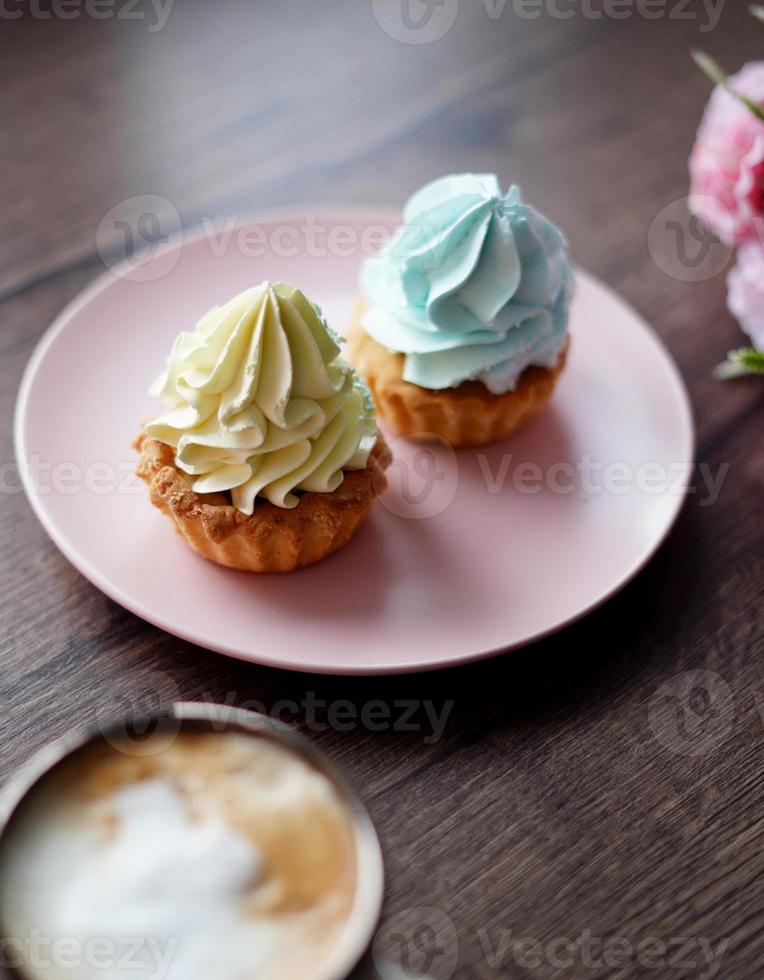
[{"x": 467, "y": 554}]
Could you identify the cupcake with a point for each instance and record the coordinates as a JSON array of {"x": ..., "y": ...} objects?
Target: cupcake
[
  {"x": 462, "y": 331},
  {"x": 267, "y": 457}
]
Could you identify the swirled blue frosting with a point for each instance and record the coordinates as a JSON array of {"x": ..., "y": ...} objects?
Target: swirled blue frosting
[{"x": 474, "y": 285}]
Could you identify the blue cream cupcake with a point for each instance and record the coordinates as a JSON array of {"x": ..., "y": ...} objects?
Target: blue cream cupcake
[{"x": 463, "y": 328}]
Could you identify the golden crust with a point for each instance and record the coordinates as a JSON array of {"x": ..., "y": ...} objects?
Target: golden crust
[
  {"x": 272, "y": 539},
  {"x": 468, "y": 415}
]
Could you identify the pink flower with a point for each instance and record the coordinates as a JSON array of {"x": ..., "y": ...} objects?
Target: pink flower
[
  {"x": 745, "y": 296},
  {"x": 727, "y": 162}
]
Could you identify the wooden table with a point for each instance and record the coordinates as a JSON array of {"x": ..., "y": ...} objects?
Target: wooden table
[{"x": 588, "y": 785}]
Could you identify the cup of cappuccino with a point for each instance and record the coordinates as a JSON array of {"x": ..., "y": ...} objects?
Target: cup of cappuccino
[{"x": 215, "y": 846}]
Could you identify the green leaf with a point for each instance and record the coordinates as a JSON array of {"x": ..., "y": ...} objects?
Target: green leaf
[
  {"x": 757, "y": 11},
  {"x": 741, "y": 362},
  {"x": 719, "y": 76}
]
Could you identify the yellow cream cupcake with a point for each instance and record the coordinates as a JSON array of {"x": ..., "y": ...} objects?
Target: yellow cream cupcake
[{"x": 268, "y": 456}]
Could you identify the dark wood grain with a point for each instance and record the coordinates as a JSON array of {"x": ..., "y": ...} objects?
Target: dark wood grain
[{"x": 551, "y": 805}]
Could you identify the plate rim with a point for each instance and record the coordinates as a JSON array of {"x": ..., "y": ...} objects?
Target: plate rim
[{"x": 183, "y": 238}]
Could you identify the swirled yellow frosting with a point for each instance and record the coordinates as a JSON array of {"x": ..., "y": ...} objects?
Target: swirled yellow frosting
[{"x": 259, "y": 402}]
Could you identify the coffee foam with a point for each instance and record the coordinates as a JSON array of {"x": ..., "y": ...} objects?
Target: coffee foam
[{"x": 223, "y": 856}]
